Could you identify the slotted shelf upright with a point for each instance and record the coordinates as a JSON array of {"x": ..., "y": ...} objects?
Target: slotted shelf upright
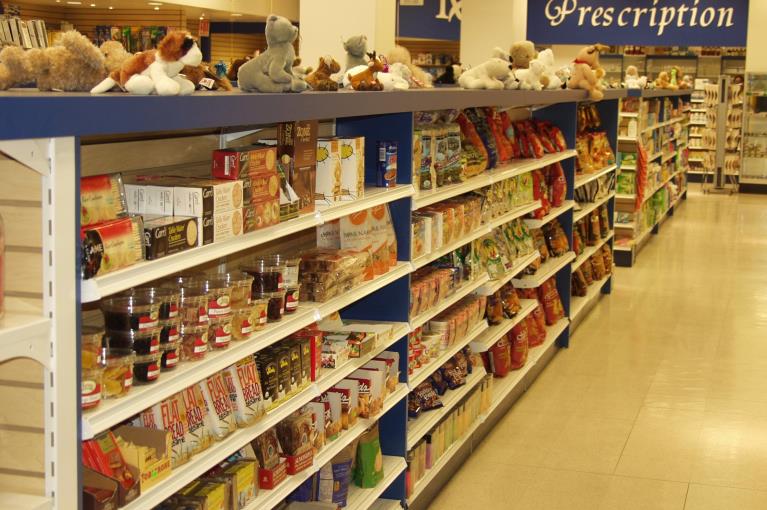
[{"x": 65, "y": 145}]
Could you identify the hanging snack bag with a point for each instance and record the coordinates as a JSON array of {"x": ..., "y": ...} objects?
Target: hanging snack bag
[
  {"x": 244, "y": 387},
  {"x": 198, "y": 435},
  {"x": 368, "y": 470},
  {"x": 220, "y": 416}
]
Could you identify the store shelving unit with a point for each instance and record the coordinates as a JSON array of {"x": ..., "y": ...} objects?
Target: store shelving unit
[
  {"x": 664, "y": 140},
  {"x": 60, "y": 150},
  {"x": 753, "y": 176}
]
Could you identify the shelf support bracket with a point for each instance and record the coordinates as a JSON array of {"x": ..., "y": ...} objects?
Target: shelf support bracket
[
  {"x": 225, "y": 138},
  {"x": 34, "y": 153}
]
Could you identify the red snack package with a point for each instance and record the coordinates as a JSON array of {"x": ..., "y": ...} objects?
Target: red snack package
[
  {"x": 519, "y": 345},
  {"x": 536, "y": 145},
  {"x": 539, "y": 315},
  {"x": 500, "y": 357},
  {"x": 552, "y": 304},
  {"x": 540, "y": 192},
  {"x": 536, "y": 333},
  {"x": 509, "y": 132},
  {"x": 469, "y": 133},
  {"x": 505, "y": 151},
  {"x": 520, "y": 135},
  {"x": 557, "y": 184},
  {"x": 555, "y": 135},
  {"x": 543, "y": 136}
]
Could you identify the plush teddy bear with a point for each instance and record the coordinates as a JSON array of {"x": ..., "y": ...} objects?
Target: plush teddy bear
[
  {"x": 356, "y": 47},
  {"x": 398, "y": 77},
  {"x": 114, "y": 55},
  {"x": 420, "y": 78},
  {"x": 204, "y": 78},
  {"x": 320, "y": 79},
  {"x": 521, "y": 53},
  {"x": 73, "y": 65},
  {"x": 549, "y": 79},
  {"x": 272, "y": 70},
  {"x": 663, "y": 81},
  {"x": 633, "y": 80},
  {"x": 157, "y": 71},
  {"x": 587, "y": 72},
  {"x": 490, "y": 74},
  {"x": 686, "y": 83},
  {"x": 235, "y": 67}
]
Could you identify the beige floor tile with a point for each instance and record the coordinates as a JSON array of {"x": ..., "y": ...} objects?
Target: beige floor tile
[
  {"x": 561, "y": 489},
  {"x": 706, "y": 497},
  {"x": 627, "y": 493}
]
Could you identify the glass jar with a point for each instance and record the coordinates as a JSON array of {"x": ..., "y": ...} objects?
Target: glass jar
[
  {"x": 194, "y": 341},
  {"x": 267, "y": 277},
  {"x": 291, "y": 300},
  {"x": 220, "y": 333},
  {"x": 275, "y": 307},
  {"x": 146, "y": 368},
  {"x": 141, "y": 342},
  {"x": 118, "y": 372},
  {"x": 91, "y": 387},
  {"x": 137, "y": 312},
  {"x": 241, "y": 283},
  {"x": 242, "y": 323},
  {"x": 167, "y": 298},
  {"x": 170, "y": 331},
  {"x": 170, "y": 354}
]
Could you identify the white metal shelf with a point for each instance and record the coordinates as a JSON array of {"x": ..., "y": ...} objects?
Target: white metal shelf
[
  {"x": 522, "y": 166},
  {"x": 112, "y": 412},
  {"x": 547, "y": 270},
  {"x": 582, "y": 179},
  {"x": 421, "y": 426},
  {"x": 24, "y": 332},
  {"x": 362, "y": 499},
  {"x": 449, "y": 248},
  {"x": 94, "y": 289},
  {"x": 588, "y": 251},
  {"x": 588, "y": 207},
  {"x": 421, "y": 374},
  {"x": 461, "y": 292},
  {"x": 518, "y": 265},
  {"x": 578, "y": 303},
  {"x": 386, "y": 504},
  {"x": 494, "y": 333},
  {"x": 555, "y": 212},
  {"x": 515, "y": 213}
]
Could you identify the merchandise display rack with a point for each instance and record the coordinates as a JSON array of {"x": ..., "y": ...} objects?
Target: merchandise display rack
[
  {"x": 57, "y": 149},
  {"x": 631, "y": 236}
]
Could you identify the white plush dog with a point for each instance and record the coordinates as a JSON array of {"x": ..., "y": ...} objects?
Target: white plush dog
[
  {"x": 528, "y": 79},
  {"x": 550, "y": 79},
  {"x": 490, "y": 74}
]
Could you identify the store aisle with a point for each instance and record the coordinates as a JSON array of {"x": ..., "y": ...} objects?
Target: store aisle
[{"x": 661, "y": 402}]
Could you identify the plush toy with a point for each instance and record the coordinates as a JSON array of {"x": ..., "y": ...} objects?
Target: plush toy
[
  {"x": 204, "y": 79},
  {"x": 490, "y": 74},
  {"x": 398, "y": 77},
  {"x": 235, "y": 68},
  {"x": 157, "y": 71},
  {"x": 587, "y": 72},
  {"x": 663, "y": 81},
  {"x": 686, "y": 83},
  {"x": 633, "y": 80},
  {"x": 528, "y": 79},
  {"x": 355, "y": 47},
  {"x": 220, "y": 69},
  {"x": 401, "y": 55},
  {"x": 365, "y": 78},
  {"x": 521, "y": 53},
  {"x": 320, "y": 79},
  {"x": 450, "y": 75},
  {"x": 272, "y": 70},
  {"x": 564, "y": 73},
  {"x": 73, "y": 65},
  {"x": 114, "y": 55},
  {"x": 549, "y": 78},
  {"x": 299, "y": 70},
  {"x": 674, "y": 82}
]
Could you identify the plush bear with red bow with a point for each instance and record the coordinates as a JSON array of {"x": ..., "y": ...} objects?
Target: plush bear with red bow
[{"x": 587, "y": 73}]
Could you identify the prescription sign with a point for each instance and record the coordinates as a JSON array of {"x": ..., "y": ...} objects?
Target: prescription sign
[{"x": 638, "y": 22}]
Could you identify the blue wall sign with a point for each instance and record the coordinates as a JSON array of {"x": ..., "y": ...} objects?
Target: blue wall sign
[
  {"x": 429, "y": 19},
  {"x": 639, "y": 22}
]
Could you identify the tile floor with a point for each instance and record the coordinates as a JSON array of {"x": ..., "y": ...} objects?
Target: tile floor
[{"x": 661, "y": 400}]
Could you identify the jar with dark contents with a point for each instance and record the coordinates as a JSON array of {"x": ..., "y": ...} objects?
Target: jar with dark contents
[
  {"x": 220, "y": 333},
  {"x": 166, "y": 297},
  {"x": 170, "y": 331},
  {"x": 170, "y": 355},
  {"x": 266, "y": 277},
  {"x": 291, "y": 299},
  {"x": 146, "y": 368},
  {"x": 141, "y": 342},
  {"x": 275, "y": 308},
  {"x": 193, "y": 305},
  {"x": 194, "y": 341},
  {"x": 241, "y": 284},
  {"x": 118, "y": 372},
  {"x": 290, "y": 267},
  {"x": 137, "y": 312}
]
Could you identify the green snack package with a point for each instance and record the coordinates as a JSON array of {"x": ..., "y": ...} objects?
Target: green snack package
[{"x": 368, "y": 471}]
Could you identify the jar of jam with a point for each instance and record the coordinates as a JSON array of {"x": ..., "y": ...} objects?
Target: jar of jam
[
  {"x": 241, "y": 284},
  {"x": 216, "y": 290},
  {"x": 141, "y": 342},
  {"x": 118, "y": 372},
  {"x": 242, "y": 323},
  {"x": 170, "y": 331},
  {"x": 170, "y": 354},
  {"x": 291, "y": 299},
  {"x": 266, "y": 276},
  {"x": 220, "y": 333},
  {"x": 289, "y": 264},
  {"x": 193, "y": 305},
  {"x": 194, "y": 341},
  {"x": 166, "y": 297},
  {"x": 275, "y": 307},
  {"x": 146, "y": 368},
  {"x": 91, "y": 387},
  {"x": 259, "y": 307},
  {"x": 125, "y": 313}
]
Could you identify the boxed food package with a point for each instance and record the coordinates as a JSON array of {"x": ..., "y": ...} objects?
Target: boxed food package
[
  {"x": 208, "y": 494},
  {"x": 333, "y": 414},
  {"x": 266, "y": 361},
  {"x": 244, "y": 476},
  {"x": 102, "y": 198},
  {"x": 99, "y": 491},
  {"x": 149, "y": 199},
  {"x": 289, "y": 201},
  {"x": 231, "y": 163},
  {"x": 349, "y": 392},
  {"x": 284, "y": 389},
  {"x": 294, "y": 434},
  {"x": 392, "y": 360},
  {"x": 227, "y": 225},
  {"x": 381, "y": 368},
  {"x": 201, "y": 197},
  {"x": 273, "y": 468},
  {"x": 166, "y": 235},
  {"x": 110, "y": 246},
  {"x": 379, "y": 239},
  {"x": 146, "y": 450},
  {"x": 335, "y": 350},
  {"x": 262, "y": 214},
  {"x": 318, "y": 412},
  {"x": 352, "y": 168},
  {"x": 103, "y": 455},
  {"x": 328, "y": 186},
  {"x": 370, "y": 391},
  {"x": 297, "y": 147}
]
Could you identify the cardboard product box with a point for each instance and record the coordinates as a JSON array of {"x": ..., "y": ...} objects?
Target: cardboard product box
[
  {"x": 149, "y": 199},
  {"x": 244, "y": 475},
  {"x": 141, "y": 439},
  {"x": 230, "y": 163},
  {"x": 352, "y": 168},
  {"x": 101, "y": 454},
  {"x": 328, "y": 187},
  {"x": 166, "y": 235},
  {"x": 264, "y": 186},
  {"x": 297, "y": 463},
  {"x": 349, "y": 401},
  {"x": 227, "y": 225},
  {"x": 290, "y": 204},
  {"x": 360, "y": 344},
  {"x": 111, "y": 245},
  {"x": 268, "y": 479},
  {"x": 209, "y": 494},
  {"x": 99, "y": 492},
  {"x": 297, "y": 148},
  {"x": 200, "y": 197},
  {"x": 263, "y": 158}
]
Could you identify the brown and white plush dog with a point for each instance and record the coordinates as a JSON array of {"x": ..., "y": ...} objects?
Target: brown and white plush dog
[{"x": 157, "y": 71}]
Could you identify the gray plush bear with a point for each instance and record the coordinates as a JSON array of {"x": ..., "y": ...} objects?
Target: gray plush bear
[
  {"x": 356, "y": 48},
  {"x": 272, "y": 71}
]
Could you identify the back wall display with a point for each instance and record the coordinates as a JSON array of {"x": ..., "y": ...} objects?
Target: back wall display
[
  {"x": 648, "y": 23},
  {"x": 429, "y": 19}
]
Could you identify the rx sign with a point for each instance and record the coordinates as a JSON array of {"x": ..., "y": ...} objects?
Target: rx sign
[{"x": 430, "y": 19}]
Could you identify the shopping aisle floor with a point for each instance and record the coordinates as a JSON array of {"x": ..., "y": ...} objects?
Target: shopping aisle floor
[{"x": 661, "y": 400}]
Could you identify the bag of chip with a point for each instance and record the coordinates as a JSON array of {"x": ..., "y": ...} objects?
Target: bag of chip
[
  {"x": 543, "y": 136},
  {"x": 540, "y": 243},
  {"x": 598, "y": 266},
  {"x": 518, "y": 341},
  {"x": 494, "y": 309},
  {"x": 335, "y": 477},
  {"x": 552, "y": 304},
  {"x": 438, "y": 382},
  {"x": 580, "y": 288},
  {"x": 483, "y": 130},
  {"x": 425, "y": 398},
  {"x": 510, "y": 301},
  {"x": 587, "y": 271},
  {"x": 557, "y": 184},
  {"x": 607, "y": 255},
  {"x": 536, "y": 334},
  {"x": 473, "y": 152},
  {"x": 499, "y": 358},
  {"x": 368, "y": 470},
  {"x": 508, "y": 131},
  {"x": 453, "y": 373},
  {"x": 540, "y": 192},
  {"x": 505, "y": 151},
  {"x": 555, "y": 135}
]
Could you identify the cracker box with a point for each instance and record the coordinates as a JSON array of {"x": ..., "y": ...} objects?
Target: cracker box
[
  {"x": 297, "y": 149},
  {"x": 268, "y": 479},
  {"x": 328, "y": 187},
  {"x": 244, "y": 475},
  {"x": 352, "y": 168},
  {"x": 198, "y": 197},
  {"x": 149, "y": 199},
  {"x": 136, "y": 442},
  {"x": 227, "y": 225},
  {"x": 230, "y": 163},
  {"x": 349, "y": 401},
  {"x": 166, "y": 235}
]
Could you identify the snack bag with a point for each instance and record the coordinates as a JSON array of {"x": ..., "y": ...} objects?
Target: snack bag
[
  {"x": 536, "y": 334},
  {"x": 379, "y": 238},
  {"x": 483, "y": 130},
  {"x": 335, "y": 478},
  {"x": 579, "y": 283},
  {"x": 368, "y": 471},
  {"x": 499, "y": 357},
  {"x": 198, "y": 435},
  {"x": 508, "y": 131},
  {"x": 518, "y": 338},
  {"x": 219, "y": 414},
  {"x": 391, "y": 237},
  {"x": 540, "y": 192},
  {"x": 244, "y": 387},
  {"x": 170, "y": 415},
  {"x": 505, "y": 151},
  {"x": 557, "y": 184},
  {"x": 474, "y": 153},
  {"x": 552, "y": 304}
]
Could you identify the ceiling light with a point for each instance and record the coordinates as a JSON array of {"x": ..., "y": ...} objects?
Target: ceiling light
[
  {"x": 154, "y": 3},
  {"x": 110, "y": 7},
  {"x": 74, "y": 3},
  {"x": 93, "y": 5},
  {"x": 236, "y": 14},
  {"x": 156, "y": 8}
]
